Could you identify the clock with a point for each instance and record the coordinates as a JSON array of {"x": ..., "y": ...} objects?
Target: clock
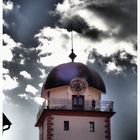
[{"x": 78, "y": 85}]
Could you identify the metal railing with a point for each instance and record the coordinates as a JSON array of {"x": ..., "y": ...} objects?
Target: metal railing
[{"x": 66, "y": 104}]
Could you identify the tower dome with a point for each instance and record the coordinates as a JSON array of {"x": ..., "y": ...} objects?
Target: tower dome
[{"x": 62, "y": 75}]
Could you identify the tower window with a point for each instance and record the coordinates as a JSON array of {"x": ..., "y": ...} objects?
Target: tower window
[
  {"x": 91, "y": 127},
  {"x": 66, "y": 125}
]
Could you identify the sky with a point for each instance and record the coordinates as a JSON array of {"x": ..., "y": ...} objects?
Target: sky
[{"x": 37, "y": 37}]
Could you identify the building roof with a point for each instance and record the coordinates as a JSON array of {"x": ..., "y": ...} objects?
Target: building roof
[{"x": 62, "y": 75}]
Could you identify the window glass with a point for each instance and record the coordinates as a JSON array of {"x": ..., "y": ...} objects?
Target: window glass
[
  {"x": 91, "y": 127},
  {"x": 80, "y": 100},
  {"x": 66, "y": 125}
]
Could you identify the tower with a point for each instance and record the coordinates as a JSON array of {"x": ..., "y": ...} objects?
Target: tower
[{"x": 73, "y": 108}]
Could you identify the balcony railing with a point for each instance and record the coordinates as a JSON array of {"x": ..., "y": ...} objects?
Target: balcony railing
[{"x": 66, "y": 104}]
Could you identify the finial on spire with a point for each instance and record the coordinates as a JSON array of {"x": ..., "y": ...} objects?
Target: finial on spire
[{"x": 72, "y": 55}]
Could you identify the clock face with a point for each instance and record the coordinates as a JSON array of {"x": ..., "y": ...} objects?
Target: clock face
[{"x": 78, "y": 86}]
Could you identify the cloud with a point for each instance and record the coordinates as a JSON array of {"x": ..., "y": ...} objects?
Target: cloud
[
  {"x": 25, "y": 74},
  {"x": 73, "y": 17},
  {"x": 8, "y": 6},
  {"x": 23, "y": 24},
  {"x": 21, "y": 67},
  {"x": 54, "y": 41},
  {"x": 119, "y": 62},
  {"x": 5, "y": 24},
  {"x": 75, "y": 23},
  {"x": 111, "y": 67},
  {"x": 24, "y": 96},
  {"x": 31, "y": 89},
  {"x": 96, "y": 34},
  {"x": 111, "y": 16},
  {"x": 118, "y": 15},
  {"x": 57, "y": 41},
  {"x": 114, "y": 56},
  {"x": 9, "y": 83},
  {"x": 8, "y": 45},
  {"x": 39, "y": 100}
]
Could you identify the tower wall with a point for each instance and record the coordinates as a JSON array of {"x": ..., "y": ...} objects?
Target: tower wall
[
  {"x": 79, "y": 125},
  {"x": 64, "y": 92},
  {"x": 79, "y": 128}
]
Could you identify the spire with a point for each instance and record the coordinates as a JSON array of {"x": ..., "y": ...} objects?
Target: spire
[{"x": 72, "y": 55}]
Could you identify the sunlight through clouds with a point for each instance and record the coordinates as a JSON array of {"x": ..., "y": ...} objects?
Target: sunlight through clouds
[
  {"x": 60, "y": 46},
  {"x": 53, "y": 40}
]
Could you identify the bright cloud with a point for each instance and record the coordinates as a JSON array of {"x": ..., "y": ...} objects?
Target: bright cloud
[
  {"x": 43, "y": 73},
  {"x": 39, "y": 100},
  {"x": 57, "y": 41},
  {"x": 6, "y": 49},
  {"x": 71, "y": 8},
  {"x": 31, "y": 89},
  {"x": 9, "y": 83},
  {"x": 25, "y": 96},
  {"x": 8, "y": 6},
  {"x": 97, "y": 22},
  {"x": 110, "y": 46},
  {"x": 25, "y": 74},
  {"x": 112, "y": 67},
  {"x": 5, "y": 24}
]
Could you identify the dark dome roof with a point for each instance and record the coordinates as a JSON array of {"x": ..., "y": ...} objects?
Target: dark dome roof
[{"x": 63, "y": 74}]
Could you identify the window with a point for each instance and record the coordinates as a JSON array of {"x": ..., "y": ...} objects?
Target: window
[
  {"x": 78, "y": 102},
  {"x": 66, "y": 125},
  {"x": 91, "y": 127}
]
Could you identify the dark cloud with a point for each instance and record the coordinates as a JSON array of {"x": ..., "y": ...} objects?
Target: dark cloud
[
  {"x": 96, "y": 34},
  {"x": 28, "y": 18},
  {"x": 125, "y": 62},
  {"x": 78, "y": 24},
  {"x": 118, "y": 14},
  {"x": 31, "y": 64},
  {"x": 75, "y": 23}
]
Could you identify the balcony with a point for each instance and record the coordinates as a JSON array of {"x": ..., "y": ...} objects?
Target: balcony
[{"x": 67, "y": 104}]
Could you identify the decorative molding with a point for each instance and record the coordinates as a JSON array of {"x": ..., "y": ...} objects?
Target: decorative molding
[
  {"x": 50, "y": 125},
  {"x": 107, "y": 129}
]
